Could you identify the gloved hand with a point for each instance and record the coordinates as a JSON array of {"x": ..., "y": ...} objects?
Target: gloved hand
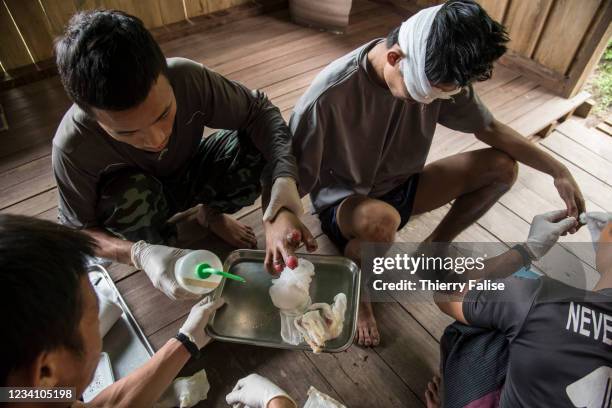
[
  {"x": 546, "y": 229},
  {"x": 157, "y": 261},
  {"x": 198, "y": 319},
  {"x": 596, "y": 222},
  {"x": 284, "y": 194},
  {"x": 255, "y": 391}
]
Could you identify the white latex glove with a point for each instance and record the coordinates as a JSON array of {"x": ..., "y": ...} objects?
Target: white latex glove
[
  {"x": 284, "y": 194},
  {"x": 545, "y": 231},
  {"x": 596, "y": 222},
  {"x": 255, "y": 391},
  {"x": 195, "y": 325},
  {"x": 158, "y": 263}
]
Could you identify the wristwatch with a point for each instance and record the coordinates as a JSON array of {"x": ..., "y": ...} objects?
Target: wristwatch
[
  {"x": 525, "y": 253},
  {"x": 189, "y": 345}
]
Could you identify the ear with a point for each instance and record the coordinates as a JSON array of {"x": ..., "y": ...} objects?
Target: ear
[
  {"x": 46, "y": 369},
  {"x": 393, "y": 57}
]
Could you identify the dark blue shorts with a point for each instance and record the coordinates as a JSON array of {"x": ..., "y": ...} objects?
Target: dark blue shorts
[{"x": 401, "y": 198}]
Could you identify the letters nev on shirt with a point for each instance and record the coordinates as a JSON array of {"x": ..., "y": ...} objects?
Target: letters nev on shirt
[{"x": 589, "y": 322}]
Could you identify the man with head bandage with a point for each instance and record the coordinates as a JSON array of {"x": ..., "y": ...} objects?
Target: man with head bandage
[{"x": 363, "y": 130}]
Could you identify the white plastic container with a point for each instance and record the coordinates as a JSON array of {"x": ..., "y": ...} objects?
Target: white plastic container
[{"x": 185, "y": 272}]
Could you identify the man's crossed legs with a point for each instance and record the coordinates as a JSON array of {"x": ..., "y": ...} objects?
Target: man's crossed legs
[{"x": 475, "y": 180}]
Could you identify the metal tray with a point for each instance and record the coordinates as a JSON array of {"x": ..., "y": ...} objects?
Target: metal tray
[
  {"x": 249, "y": 317},
  {"x": 125, "y": 343}
]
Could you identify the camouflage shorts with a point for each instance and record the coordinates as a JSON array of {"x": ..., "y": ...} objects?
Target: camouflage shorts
[{"x": 224, "y": 174}]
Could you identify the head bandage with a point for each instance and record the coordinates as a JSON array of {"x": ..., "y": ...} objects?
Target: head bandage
[{"x": 413, "y": 36}]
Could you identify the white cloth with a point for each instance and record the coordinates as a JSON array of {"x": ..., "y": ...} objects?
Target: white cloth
[
  {"x": 185, "y": 392},
  {"x": 322, "y": 322},
  {"x": 412, "y": 39},
  {"x": 255, "y": 391},
  {"x": 290, "y": 292},
  {"x": 284, "y": 194},
  {"x": 596, "y": 221},
  {"x": 317, "y": 399}
]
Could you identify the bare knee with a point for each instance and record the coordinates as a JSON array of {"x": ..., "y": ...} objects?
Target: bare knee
[
  {"x": 376, "y": 223},
  {"x": 504, "y": 169}
]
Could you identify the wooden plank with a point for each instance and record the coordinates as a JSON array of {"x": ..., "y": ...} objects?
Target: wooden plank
[
  {"x": 538, "y": 118},
  {"x": 274, "y": 47},
  {"x": 34, "y": 205},
  {"x": 495, "y": 8},
  {"x": 574, "y": 152},
  {"x": 33, "y": 25},
  {"x": 545, "y": 76},
  {"x": 411, "y": 352},
  {"x": 25, "y": 181},
  {"x": 13, "y": 52},
  {"x": 58, "y": 12},
  {"x": 593, "y": 140},
  {"x": 363, "y": 369},
  {"x": 590, "y": 51},
  {"x": 568, "y": 22},
  {"x": 195, "y": 8},
  {"x": 524, "y": 22},
  {"x": 605, "y": 128},
  {"x": 172, "y": 11}
]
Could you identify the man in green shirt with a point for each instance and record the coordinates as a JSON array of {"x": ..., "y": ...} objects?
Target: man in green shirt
[{"x": 130, "y": 154}]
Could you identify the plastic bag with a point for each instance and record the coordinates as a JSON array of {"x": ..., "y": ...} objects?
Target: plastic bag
[
  {"x": 317, "y": 399},
  {"x": 185, "y": 392}
]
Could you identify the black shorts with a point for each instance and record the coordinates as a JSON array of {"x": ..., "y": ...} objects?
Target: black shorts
[{"x": 401, "y": 198}]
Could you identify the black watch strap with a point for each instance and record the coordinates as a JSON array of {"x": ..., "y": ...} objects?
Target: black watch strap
[
  {"x": 525, "y": 254},
  {"x": 189, "y": 345}
]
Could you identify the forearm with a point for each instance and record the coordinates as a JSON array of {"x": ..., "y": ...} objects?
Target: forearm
[
  {"x": 273, "y": 138},
  {"x": 145, "y": 386},
  {"x": 498, "y": 267},
  {"x": 281, "y": 402},
  {"x": 505, "y": 138},
  {"x": 109, "y": 246}
]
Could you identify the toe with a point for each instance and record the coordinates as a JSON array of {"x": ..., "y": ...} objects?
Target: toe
[
  {"x": 375, "y": 337},
  {"x": 360, "y": 336}
]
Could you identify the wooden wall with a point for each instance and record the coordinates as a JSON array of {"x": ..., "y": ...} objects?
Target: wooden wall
[
  {"x": 557, "y": 42},
  {"x": 27, "y": 27}
]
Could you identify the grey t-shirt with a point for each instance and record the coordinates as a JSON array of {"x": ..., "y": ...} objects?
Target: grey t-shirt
[
  {"x": 352, "y": 136},
  {"x": 560, "y": 341},
  {"x": 83, "y": 152}
]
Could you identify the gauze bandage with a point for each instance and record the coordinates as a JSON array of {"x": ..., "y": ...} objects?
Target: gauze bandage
[{"x": 413, "y": 36}]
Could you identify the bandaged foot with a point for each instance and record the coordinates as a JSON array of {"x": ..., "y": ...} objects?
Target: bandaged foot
[
  {"x": 233, "y": 232},
  {"x": 322, "y": 322},
  {"x": 596, "y": 222},
  {"x": 367, "y": 330},
  {"x": 185, "y": 392}
]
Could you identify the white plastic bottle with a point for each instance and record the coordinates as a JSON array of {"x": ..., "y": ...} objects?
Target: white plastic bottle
[{"x": 186, "y": 276}]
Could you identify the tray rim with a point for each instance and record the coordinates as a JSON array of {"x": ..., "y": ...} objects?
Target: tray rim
[
  {"x": 128, "y": 312},
  {"x": 242, "y": 253}
]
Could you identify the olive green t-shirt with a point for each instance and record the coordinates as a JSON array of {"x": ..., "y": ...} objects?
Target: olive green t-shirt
[{"x": 83, "y": 152}]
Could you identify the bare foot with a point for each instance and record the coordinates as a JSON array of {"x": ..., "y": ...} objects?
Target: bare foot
[
  {"x": 367, "y": 330},
  {"x": 432, "y": 394},
  {"x": 228, "y": 229}
]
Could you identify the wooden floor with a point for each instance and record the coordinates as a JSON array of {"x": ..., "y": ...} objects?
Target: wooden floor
[{"x": 270, "y": 53}]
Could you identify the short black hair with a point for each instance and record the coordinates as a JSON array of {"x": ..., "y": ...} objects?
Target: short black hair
[
  {"x": 41, "y": 264},
  {"x": 463, "y": 44},
  {"x": 108, "y": 60}
]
